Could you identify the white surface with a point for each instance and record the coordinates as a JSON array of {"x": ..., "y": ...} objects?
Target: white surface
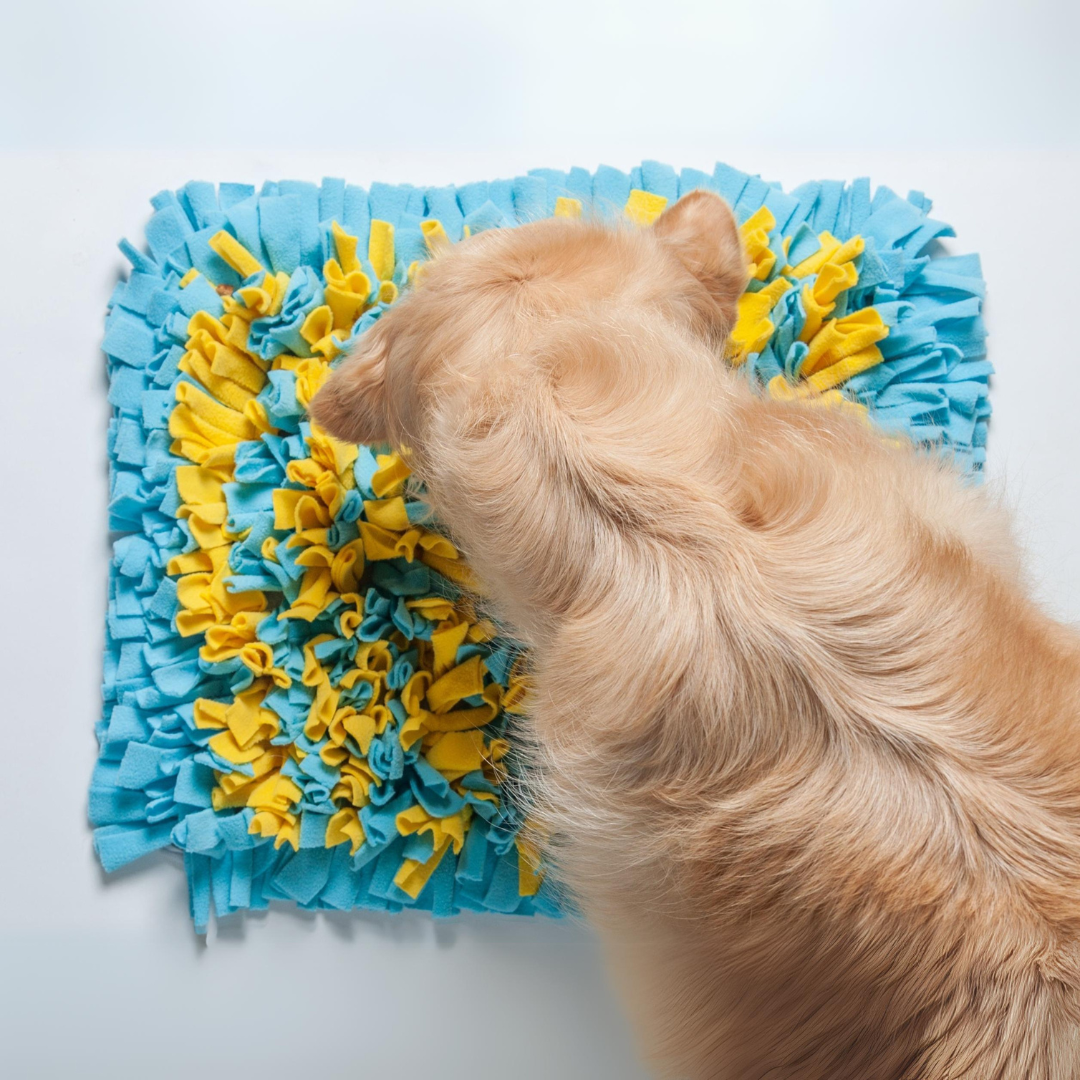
[{"x": 973, "y": 103}]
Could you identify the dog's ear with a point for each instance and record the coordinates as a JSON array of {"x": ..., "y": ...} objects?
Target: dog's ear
[
  {"x": 351, "y": 405},
  {"x": 701, "y": 230}
]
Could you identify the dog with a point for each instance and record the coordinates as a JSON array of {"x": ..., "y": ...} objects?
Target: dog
[{"x": 807, "y": 752}]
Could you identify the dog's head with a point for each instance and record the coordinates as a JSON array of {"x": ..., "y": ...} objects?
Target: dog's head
[{"x": 481, "y": 305}]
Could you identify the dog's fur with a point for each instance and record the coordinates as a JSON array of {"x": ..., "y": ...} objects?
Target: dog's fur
[{"x": 809, "y": 752}]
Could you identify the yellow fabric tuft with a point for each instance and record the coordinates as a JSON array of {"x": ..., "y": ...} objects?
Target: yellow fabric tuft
[
  {"x": 434, "y": 236},
  {"x": 755, "y": 232},
  {"x": 381, "y": 249},
  {"x": 446, "y": 833},
  {"x": 345, "y": 244},
  {"x": 344, "y": 828},
  {"x": 530, "y": 877},
  {"x": 567, "y": 208},
  {"x": 643, "y": 207},
  {"x": 844, "y": 337},
  {"x": 753, "y": 328},
  {"x": 235, "y": 254}
]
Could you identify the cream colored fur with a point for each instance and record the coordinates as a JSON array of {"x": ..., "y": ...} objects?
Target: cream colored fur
[{"x": 808, "y": 753}]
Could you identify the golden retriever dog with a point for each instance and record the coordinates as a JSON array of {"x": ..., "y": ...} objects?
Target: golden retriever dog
[{"x": 807, "y": 752}]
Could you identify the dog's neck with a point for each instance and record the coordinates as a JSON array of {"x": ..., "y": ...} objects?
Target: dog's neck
[{"x": 555, "y": 507}]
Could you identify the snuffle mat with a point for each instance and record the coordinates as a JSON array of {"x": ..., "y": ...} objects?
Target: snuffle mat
[{"x": 298, "y": 694}]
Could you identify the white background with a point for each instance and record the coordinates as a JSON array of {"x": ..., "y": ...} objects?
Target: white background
[{"x": 103, "y": 104}]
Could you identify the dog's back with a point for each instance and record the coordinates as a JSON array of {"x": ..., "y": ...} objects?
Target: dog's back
[{"x": 808, "y": 754}]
